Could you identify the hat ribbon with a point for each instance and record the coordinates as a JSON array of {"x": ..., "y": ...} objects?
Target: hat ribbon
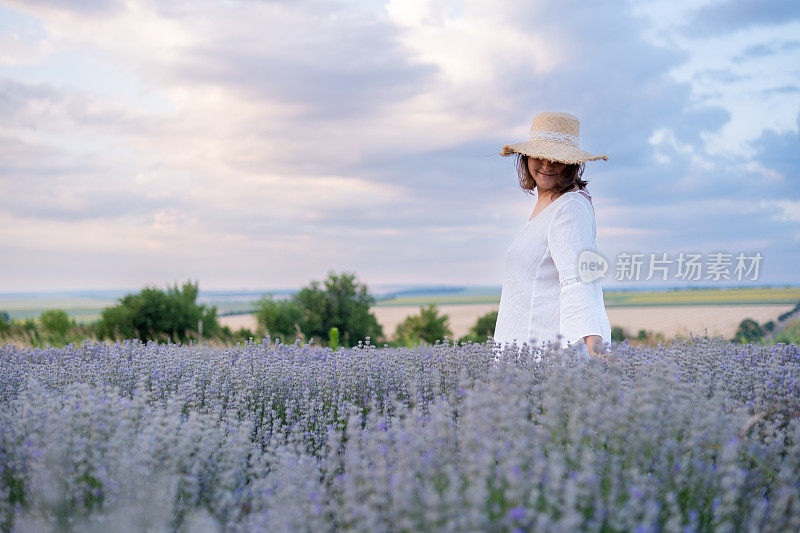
[{"x": 555, "y": 136}]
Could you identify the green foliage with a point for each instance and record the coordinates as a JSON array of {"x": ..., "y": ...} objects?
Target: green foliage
[
  {"x": 28, "y": 329},
  {"x": 211, "y": 327},
  {"x": 789, "y": 334},
  {"x": 280, "y": 319},
  {"x": 154, "y": 314},
  {"x": 427, "y": 326},
  {"x": 651, "y": 338},
  {"x": 336, "y": 312},
  {"x": 54, "y": 327},
  {"x": 483, "y": 328},
  {"x": 333, "y": 338},
  {"x": 230, "y": 337},
  {"x": 749, "y": 332},
  {"x": 56, "y": 322},
  {"x": 57, "y": 327},
  {"x": 643, "y": 336},
  {"x": 342, "y": 303},
  {"x": 618, "y": 333}
]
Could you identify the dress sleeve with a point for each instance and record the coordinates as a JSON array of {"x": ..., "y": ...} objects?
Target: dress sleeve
[{"x": 581, "y": 308}]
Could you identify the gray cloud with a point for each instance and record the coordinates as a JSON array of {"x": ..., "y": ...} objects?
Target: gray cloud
[
  {"x": 64, "y": 205},
  {"x": 760, "y": 50},
  {"x": 92, "y": 8},
  {"x": 734, "y": 15},
  {"x": 18, "y": 101},
  {"x": 40, "y": 106},
  {"x": 781, "y": 152},
  {"x": 784, "y": 89},
  {"x": 331, "y": 84},
  {"x": 327, "y": 60},
  {"x": 718, "y": 75}
]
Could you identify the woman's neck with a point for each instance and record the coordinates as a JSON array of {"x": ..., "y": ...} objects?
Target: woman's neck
[{"x": 550, "y": 195}]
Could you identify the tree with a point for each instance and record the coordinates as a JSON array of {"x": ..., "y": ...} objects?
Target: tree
[
  {"x": 427, "y": 326},
  {"x": 229, "y": 336},
  {"x": 341, "y": 303},
  {"x": 5, "y": 322},
  {"x": 153, "y": 314},
  {"x": 56, "y": 326},
  {"x": 749, "y": 332},
  {"x": 483, "y": 327},
  {"x": 280, "y": 318},
  {"x": 618, "y": 333},
  {"x": 56, "y": 322}
]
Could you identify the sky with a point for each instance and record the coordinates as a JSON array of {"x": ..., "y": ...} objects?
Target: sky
[{"x": 250, "y": 144}]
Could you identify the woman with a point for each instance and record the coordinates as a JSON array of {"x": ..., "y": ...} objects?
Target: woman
[{"x": 543, "y": 298}]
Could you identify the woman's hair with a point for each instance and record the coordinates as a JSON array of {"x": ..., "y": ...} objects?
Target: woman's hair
[{"x": 569, "y": 178}]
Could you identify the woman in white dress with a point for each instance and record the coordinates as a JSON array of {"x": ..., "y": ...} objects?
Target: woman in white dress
[{"x": 544, "y": 299}]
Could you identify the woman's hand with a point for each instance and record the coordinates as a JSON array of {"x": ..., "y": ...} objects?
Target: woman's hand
[{"x": 595, "y": 345}]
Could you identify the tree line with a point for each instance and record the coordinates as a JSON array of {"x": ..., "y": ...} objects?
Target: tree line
[{"x": 335, "y": 312}]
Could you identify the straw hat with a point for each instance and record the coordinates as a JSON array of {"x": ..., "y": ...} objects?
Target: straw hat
[{"x": 554, "y": 136}]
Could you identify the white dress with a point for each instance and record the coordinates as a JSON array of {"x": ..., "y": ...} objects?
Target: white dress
[{"x": 543, "y": 300}]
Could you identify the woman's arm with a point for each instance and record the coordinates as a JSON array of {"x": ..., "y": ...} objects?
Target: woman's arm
[
  {"x": 581, "y": 310},
  {"x": 595, "y": 345}
]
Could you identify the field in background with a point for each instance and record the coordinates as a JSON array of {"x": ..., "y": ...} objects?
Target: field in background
[
  {"x": 697, "y": 319},
  {"x": 462, "y": 317},
  {"x": 668, "y": 320},
  {"x": 82, "y": 309},
  {"x": 717, "y": 311},
  {"x": 672, "y": 312},
  {"x": 733, "y": 296},
  {"x": 621, "y": 298}
]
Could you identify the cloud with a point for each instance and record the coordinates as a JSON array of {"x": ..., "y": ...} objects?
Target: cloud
[
  {"x": 263, "y": 143},
  {"x": 718, "y": 75},
  {"x": 761, "y": 50},
  {"x": 783, "y": 89},
  {"x": 735, "y": 15},
  {"x": 783, "y": 210},
  {"x": 781, "y": 153},
  {"x": 365, "y": 69},
  {"x": 91, "y": 8}
]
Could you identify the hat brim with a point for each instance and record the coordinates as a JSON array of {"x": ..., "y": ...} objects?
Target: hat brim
[{"x": 552, "y": 151}]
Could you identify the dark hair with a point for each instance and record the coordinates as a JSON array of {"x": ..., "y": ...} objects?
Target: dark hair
[{"x": 569, "y": 178}]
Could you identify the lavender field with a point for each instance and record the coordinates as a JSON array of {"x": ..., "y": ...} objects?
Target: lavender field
[{"x": 698, "y": 435}]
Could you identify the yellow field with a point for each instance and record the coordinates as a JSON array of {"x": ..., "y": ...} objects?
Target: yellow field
[
  {"x": 737, "y": 296},
  {"x": 756, "y": 295}
]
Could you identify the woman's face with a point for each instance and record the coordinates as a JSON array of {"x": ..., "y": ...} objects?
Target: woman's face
[{"x": 546, "y": 173}]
